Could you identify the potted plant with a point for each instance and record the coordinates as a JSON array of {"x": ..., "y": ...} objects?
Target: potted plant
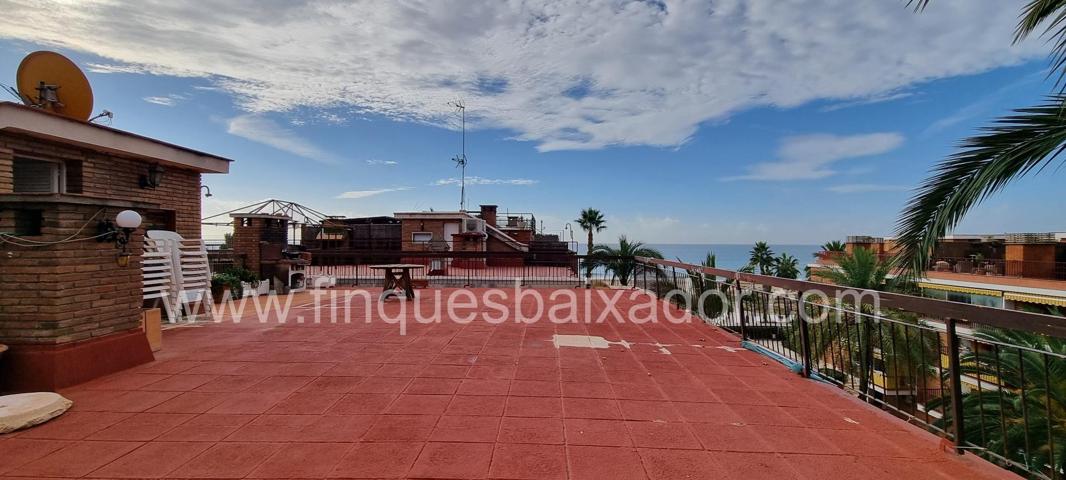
[
  {"x": 248, "y": 279},
  {"x": 222, "y": 282}
]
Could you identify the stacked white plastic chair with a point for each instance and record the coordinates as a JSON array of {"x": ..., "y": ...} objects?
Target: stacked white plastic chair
[
  {"x": 191, "y": 272},
  {"x": 157, "y": 268}
]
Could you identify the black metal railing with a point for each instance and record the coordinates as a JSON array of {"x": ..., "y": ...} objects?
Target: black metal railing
[
  {"x": 1000, "y": 267},
  {"x": 992, "y": 381},
  {"x": 477, "y": 269}
]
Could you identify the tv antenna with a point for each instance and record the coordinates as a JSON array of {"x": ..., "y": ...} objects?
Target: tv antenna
[{"x": 460, "y": 160}]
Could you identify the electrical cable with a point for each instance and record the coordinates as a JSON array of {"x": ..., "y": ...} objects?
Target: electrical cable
[{"x": 6, "y": 237}]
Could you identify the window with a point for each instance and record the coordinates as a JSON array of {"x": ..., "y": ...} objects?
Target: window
[
  {"x": 28, "y": 222},
  {"x": 421, "y": 236},
  {"x": 38, "y": 176}
]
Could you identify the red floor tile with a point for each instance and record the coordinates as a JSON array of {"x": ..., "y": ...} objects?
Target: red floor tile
[
  {"x": 74, "y": 425},
  {"x": 306, "y": 403},
  {"x": 153, "y": 460},
  {"x": 453, "y": 460},
  {"x": 478, "y": 386},
  {"x": 596, "y": 432},
  {"x": 76, "y": 459},
  {"x": 480, "y": 405},
  {"x": 402, "y": 428},
  {"x": 433, "y": 386},
  {"x": 302, "y": 460},
  {"x": 362, "y": 403},
  {"x": 534, "y": 407},
  {"x": 466, "y": 429},
  {"x": 378, "y": 460},
  {"x": 662, "y": 435},
  {"x": 19, "y": 451},
  {"x": 419, "y": 404},
  {"x": 675, "y": 464},
  {"x": 533, "y": 462},
  {"x": 594, "y": 463},
  {"x": 531, "y": 430},
  {"x": 332, "y": 384},
  {"x": 591, "y": 408},
  {"x": 222, "y": 460},
  {"x": 141, "y": 427}
]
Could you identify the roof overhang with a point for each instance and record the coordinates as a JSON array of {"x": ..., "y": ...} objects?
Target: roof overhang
[
  {"x": 34, "y": 122},
  {"x": 436, "y": 215}
]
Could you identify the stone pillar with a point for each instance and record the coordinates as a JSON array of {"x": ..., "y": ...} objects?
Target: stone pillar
[{"x": 488, "y": 214}]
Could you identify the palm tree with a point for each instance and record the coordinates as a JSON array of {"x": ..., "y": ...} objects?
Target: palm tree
[
  {"x": 1026, "y": 141},
  {"x": 619, "y": 261},
  {"x": 1011, "y": 419},
  {"x": 591, "y": 220},
  {"x": 833, "y": 246},
  {"x": 712, "y": 304},
  {"x": 860, "y": 269},
  {"x": 786, "y": 266},
  {"x": 762, "y": 257}
]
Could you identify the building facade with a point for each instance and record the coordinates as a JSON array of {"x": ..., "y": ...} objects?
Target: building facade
[{"x": 69, "y": 309}]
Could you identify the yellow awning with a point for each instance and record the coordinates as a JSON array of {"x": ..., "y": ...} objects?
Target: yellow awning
[
  {"x": 952, "y": 288},
  {"x": 1041, "y": 299}
]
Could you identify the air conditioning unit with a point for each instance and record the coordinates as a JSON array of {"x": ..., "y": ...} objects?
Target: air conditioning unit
[{"x": 473, "y": 225}]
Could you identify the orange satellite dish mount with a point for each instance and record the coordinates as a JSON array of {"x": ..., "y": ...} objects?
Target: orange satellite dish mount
[{"x": 50, "y": 81}]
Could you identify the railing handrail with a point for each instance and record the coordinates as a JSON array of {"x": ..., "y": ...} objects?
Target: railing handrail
[{"x": 990, "y": 316}]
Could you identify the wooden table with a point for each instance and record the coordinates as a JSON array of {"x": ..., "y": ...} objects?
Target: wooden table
[{"x": 397, "y": 279}]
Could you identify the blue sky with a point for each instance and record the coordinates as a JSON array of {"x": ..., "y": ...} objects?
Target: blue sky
[{"x": 675, "y": 134}]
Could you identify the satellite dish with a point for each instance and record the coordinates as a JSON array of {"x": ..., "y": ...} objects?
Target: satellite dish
[{"x": 52, "y": 82}]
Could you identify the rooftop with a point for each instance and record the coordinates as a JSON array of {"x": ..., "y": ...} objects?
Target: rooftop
[{"x": 475, "y": 400}]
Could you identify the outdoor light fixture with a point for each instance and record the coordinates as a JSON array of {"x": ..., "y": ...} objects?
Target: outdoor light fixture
[
  {"x": 119, "y": 231},
  {"x": 205, "y": 187},
  {"x": 154, "y": 177}
]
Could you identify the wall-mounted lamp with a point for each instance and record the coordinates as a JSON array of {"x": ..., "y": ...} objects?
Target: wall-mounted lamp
[
  {"x": 119, "y": 231},
  {"x": 154, "y": 177},
  {"x": 205, "y": 187}
]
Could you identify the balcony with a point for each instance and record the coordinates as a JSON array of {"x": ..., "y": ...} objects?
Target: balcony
[{"x": 288, "y": 396}]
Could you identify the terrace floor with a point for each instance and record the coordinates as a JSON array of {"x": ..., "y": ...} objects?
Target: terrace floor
[{"x": 476, "y": 400}]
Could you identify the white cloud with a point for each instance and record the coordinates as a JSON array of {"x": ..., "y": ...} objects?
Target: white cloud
[
  {"x": 389, "y": 163},
  {"x": 370, "y": 193},
  {"x": 260, "y": 129},
  {"x": 486, "y": 181},
  {"x": 883, "y": 98},
  {"x": 166, "y": 100},
  {"x": 808, "y": 157},
  {"x": 565, "y": 74},
  {"x": 867, "y": 188}
]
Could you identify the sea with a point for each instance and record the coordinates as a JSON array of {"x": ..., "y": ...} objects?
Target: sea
[{"x": 730, "y": 256}]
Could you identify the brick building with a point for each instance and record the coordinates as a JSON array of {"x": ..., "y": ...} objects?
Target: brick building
[{"x": 69, "y": 311}]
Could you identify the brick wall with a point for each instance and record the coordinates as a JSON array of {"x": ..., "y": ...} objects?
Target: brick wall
[
  {"x": 250, "y": 231},
  {"x": 409, "y": 226},
  {"x": 77, "y": 291}
]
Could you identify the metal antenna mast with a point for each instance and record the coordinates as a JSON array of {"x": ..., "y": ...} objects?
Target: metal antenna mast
[{"x": 460, "y": 160}]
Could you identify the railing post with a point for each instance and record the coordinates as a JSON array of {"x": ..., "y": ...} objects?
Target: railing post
[
  {"x": 743, "y": 314},
  {"x": 805, "y": 336},
  {"x": 958, "y": 425}
]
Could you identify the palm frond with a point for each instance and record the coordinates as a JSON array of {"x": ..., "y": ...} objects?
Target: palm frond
[
  {"x": 1014, "y": 146},
  {"x": 1052, "y": 13}
]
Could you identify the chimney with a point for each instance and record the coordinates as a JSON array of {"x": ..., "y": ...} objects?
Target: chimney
[{"x": 488, "y": 214}]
